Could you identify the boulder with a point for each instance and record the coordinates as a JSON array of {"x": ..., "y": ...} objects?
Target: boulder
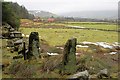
[
  {"x": 84, "y": 75},
  {"x": 103, "y": 73}
]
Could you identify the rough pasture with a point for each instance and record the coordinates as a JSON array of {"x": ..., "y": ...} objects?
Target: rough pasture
[
  {"x": 94, "y": 58},
  {"x": 59, "y": 36}
]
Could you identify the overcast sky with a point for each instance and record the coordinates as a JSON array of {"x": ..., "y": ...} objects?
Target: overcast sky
[{"x": 62, "y": 6}]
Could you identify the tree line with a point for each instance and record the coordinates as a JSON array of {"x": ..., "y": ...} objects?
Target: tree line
[{"x": 13, "y": 12}]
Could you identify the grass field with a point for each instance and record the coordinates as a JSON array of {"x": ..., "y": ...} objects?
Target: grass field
[
  {"x": 19, "y": 68},
  {"x": 54, "y": 35},
  {"x": 60, "y": 36},
  {"x": 96, "y": 25}
]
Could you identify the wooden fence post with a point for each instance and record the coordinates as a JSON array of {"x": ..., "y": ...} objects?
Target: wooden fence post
[{"x": 24, "y": 53}]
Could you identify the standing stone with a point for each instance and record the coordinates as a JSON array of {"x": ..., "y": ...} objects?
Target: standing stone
[
  {"x": 69, "y": 57},
  {"x": 33, "y": 48}
]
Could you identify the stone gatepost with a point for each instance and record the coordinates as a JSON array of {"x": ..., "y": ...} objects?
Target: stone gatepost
[
  {"x": 33, "y": 47},
  {"x": 69, "y": 57}
]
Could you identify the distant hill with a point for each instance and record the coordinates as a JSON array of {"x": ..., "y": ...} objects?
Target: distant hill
[
  {"x": 38, "y": 13},
  {"x": 108, "y": 14}
]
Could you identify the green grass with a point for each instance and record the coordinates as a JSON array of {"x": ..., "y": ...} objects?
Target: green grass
[
  {"x": 60, "y": 36},
  {"x": 54, "y": 37},
  {"x": 97, "y": 25}
]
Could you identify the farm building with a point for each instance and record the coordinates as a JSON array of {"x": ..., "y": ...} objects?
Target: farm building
[
  {"x": 50, "y": 19},
  {"x": 37, "y": 19}
]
